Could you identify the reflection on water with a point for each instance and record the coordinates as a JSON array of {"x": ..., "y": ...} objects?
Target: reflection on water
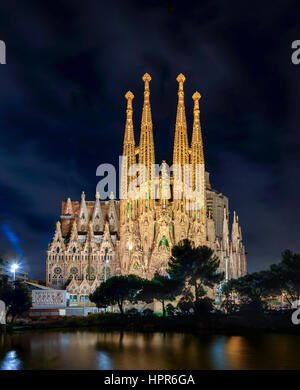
[
  {"x": 10, "y": 361},
  {"x": 129, "y": 350}
]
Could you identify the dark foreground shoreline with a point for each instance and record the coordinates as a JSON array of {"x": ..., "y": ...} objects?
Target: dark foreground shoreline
[{"x": 225, "y": 324}]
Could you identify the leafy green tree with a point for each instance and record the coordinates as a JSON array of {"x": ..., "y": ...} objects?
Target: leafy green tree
[
  {"x": 99, "y": 297},
  {"x": 148, "y": 312},
  {"x": 251, "y": 288},
  {"x": 286, "y": 276},
  {"x": 20, "y": 300},
  {"x": 6, "y": 289},
  {"x": 162, "y": 288},
  {"x": 117, "y": 290},
  {"x": 170, "y": 309},
  {"x": 16, "y": 297},
  {"x": 185, "y": 304},
  {"x": 197, "y": 266}
]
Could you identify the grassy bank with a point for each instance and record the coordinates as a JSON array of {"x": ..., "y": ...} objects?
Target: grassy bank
[{"x": 217, "y": 322}]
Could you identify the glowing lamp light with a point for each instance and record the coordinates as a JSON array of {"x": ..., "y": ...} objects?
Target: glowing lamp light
[
  {"x": 130, "y": 246},
  {"x": 14, "y": 267}
]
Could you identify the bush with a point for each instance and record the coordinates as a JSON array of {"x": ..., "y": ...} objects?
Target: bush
[
  {"x": 171, "y": 310},
  {"x": 229, "y": 306},
  {"x": 185, "y": 307},
  {"x": 250, "y": 308},
  {"x": 204, "y": 305},
  {"x": 148, "y": 312},
  {"x": 132, "y": 312}
]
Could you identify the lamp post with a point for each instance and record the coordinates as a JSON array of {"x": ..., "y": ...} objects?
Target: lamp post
[{"x": 13, "y": 269}]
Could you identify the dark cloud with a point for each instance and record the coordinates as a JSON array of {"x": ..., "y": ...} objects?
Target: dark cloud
[{"x": 62, "y": 106}]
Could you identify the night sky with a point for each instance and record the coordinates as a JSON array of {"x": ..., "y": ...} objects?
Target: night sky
[{"x": 62, "y": 108}]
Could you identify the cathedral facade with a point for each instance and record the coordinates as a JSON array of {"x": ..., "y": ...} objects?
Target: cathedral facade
[{"x": 97, "y": 239}]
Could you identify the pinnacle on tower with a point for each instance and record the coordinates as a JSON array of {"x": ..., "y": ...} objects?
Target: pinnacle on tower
[
  {"x": 69, "y": 208},
  {"x": 197, "y": 136},
  {"x": 83, "y": 212},
  {"x": 58, "y": 236},
  {"x": 97, "y": 217},
  {"x": 146, "y": 78},
  {"x": 74, "y": 235},
  {"x": 180, "y": 79},
  {"x": 129, "y": 135}
]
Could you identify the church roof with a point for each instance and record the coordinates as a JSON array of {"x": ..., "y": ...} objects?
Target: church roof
[{"x": 66, "y": 223}]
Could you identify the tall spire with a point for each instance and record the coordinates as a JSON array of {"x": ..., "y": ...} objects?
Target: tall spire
[
  {"x": 181, "y": 146},
  {"x": 146, "y": 147},
  {"x": 197, "y": 135},
  {"x": 129, "y": 142},
  {"x": 74, "y": 241},
  {"x": 197, "y": 161},
  {"x": 97, "y": 217},
  {"x": 235, "y": 230},
  {"x": 129, "y": 157},
  {"x": 225, "y": 230},
  {"x": 69, "y": 208},
  {"x": 58, "y": 238},
  {"x": 83, "y": 214}
]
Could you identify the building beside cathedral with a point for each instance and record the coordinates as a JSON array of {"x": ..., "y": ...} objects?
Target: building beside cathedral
[{"x": 97, "y": 239}]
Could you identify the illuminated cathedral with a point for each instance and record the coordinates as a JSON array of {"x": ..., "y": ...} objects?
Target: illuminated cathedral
[{"x": 97, "y": 239}]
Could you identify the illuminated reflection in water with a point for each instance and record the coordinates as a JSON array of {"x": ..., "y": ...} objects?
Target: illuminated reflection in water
[
  {"x": 128, "y": 350},
  {"x": 10, "y": 361}
]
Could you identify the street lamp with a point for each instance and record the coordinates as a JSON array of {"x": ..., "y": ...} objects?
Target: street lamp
[{"x": 13, "y": 269}]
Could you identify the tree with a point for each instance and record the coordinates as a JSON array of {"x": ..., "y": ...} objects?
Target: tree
[
  {"x": 20, "y": 300},
  {"x": 117, "y": 290},
  {"x": 185, "y": 304},
  {"x": 197, "y": 266},
  {"x": 5, "y": 292},
  {"x": 252, "y": 288},
  {"x": 99, "y": 297},
  {"x": 286, "y": 276},
  {"x": 15, "y": 296},
  {"x": 162, "y": 288},
  {"x": 171, "y": 310}
]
